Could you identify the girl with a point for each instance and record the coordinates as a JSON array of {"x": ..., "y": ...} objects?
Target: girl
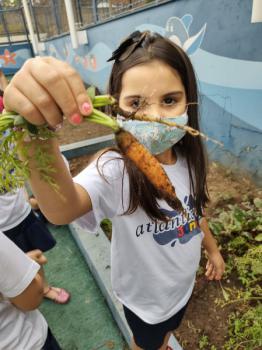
[
  {"x": 21, "y": 225},
  {"x": 1, "y": 101},
  {"x": 155, "y": 249},
  {"x": 22, "y": 326}
]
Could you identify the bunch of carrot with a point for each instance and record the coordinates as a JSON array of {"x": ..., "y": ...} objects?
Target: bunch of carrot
[{"x": 13, "y": 172}]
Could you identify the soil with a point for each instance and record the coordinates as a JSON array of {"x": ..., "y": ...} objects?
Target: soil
[
  {"x": 87, "y": 130},
  {"x": 203, "y": 316}
]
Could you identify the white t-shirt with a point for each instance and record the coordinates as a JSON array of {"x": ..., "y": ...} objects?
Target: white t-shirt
[
  {"x": 153, "y": 265},
  {"x": 18, "y": 329},
  {"x": 14, "y": 208}
]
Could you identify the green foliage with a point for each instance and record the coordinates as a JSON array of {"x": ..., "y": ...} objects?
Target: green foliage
[
  {"x": 249, "y": 266},
  {"x": 106, "y": 226},
  {"x": 10, "y": 3},
  {"x": 203, "y": 342},
  {"x": 16, "y": 135},
  {"x": 241, "y": 221},
  {"x": 245, "y": 330},
  {"x": 238, "y": 229}
]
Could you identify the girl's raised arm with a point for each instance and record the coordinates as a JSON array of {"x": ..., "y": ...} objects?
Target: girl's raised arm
[{"x": 45, "y": 91}]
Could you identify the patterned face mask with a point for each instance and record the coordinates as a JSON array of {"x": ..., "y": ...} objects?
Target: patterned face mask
[{"x": 156, "y": 137}]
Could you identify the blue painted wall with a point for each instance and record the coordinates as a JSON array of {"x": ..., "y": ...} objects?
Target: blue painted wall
[
  {"x": 12, "y": 57},
  {"x": 226, "y": 51}
]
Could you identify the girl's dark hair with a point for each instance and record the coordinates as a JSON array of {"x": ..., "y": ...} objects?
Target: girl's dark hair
[{"x": 144, "y": 48}]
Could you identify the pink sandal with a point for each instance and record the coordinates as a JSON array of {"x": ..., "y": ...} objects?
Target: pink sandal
[{"x": 62, "y": 297}]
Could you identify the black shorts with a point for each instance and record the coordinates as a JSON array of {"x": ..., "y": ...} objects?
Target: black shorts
[
  {"x": 51, "y": 342},
  {"x": 31, "y": 234},
  {"x": 151, "y": 336}
]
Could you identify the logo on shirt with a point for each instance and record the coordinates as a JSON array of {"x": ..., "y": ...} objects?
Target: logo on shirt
[{"x": 179, "y": 227}]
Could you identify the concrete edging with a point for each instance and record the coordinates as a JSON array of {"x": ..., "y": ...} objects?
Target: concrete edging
[
  {"x": 88, "y": 146},
  {"x": 96, "y": 251}
]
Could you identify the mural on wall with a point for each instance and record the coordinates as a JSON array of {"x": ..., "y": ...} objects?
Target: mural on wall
[
  {"x": 13, "y": 57},
  {"x": 89, "y": 62},
  {"x": 92, "y": 63}
]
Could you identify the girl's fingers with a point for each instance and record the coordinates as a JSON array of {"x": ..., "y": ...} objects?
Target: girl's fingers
[
  {"x": 219, "y": 273},
  {"x": 47, "y": 89},
  {"x": 17, "y": 102},
  {"x": 40, "y": 97},
  {"x": 55, "y": 83},
  {"x": 209, "y": 270},
  {"x": 75, "y": 84},
  {"x": 212, "y": 275}
]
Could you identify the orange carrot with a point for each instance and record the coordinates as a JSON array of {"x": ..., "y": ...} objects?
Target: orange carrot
[{"x": 149, "y": 166}]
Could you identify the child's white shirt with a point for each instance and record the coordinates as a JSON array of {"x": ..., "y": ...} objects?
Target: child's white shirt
[
  {"x": 153, "y": 265},
  {"x": 18, "y": 329},
  {"x": 14, "y": 209}
]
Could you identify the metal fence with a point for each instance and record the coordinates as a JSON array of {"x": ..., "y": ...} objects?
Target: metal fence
[
  {"x": 12, "y": 25},
  {"x": 50, "y": 20}
]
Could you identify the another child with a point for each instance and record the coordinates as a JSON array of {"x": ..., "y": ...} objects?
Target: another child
[
  {"x": 20, "y": 224},
  {"x": 3, "y": 80},
  {"x": 154, "y": 260},
  {"x": 21, "y": 292},
  {"x": 1, "y": 101}
]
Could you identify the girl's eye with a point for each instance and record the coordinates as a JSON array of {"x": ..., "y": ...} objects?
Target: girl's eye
[
  {"x": 135, "y": 104},
  {"x": 169, "y": 101}
]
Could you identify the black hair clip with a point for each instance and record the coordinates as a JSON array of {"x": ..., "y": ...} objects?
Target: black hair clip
[{"x": 128, "y": 46}]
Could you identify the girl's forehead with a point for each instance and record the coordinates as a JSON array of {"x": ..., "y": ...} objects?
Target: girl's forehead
[{"x": 154, "y": 76}]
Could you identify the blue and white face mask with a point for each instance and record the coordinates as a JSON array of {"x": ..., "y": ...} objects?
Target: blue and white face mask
[{"x": 156, "y": 137}]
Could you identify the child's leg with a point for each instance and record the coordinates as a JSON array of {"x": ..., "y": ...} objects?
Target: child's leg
[
  {"x": 58, "y": 295},
  {"x": 134, "y": 346},
  {"x": 163, "y": 347},
  {"x": 152, "y": 336}
]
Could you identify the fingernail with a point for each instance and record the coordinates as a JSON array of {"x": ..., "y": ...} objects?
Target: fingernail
[
  {"x": 58, "y": 126},
  {"x": 76, "y": 119},
  {"x": 86, "y": 107},
  {"x": 55, "y": 128}
]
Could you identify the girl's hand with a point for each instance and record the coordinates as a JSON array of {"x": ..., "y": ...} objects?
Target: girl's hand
[
  {"x": 215, "y": 266},
  {"x": 38, "y": 256},
  {"x": 45, "y": 90}
]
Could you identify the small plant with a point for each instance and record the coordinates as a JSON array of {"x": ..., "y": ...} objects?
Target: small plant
[
  {"x": 249, "y": 266},
  {"x": 243, "y": 222},
  {"x": 203, "y": 342},
  {"x": 106, "y": 226},
  {"x": 245, "y": 331}
]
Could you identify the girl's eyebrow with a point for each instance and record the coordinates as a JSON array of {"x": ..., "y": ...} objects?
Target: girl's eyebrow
[
  {"x": 178, "y": 93},
  {"x": 131, "y": 96}
]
